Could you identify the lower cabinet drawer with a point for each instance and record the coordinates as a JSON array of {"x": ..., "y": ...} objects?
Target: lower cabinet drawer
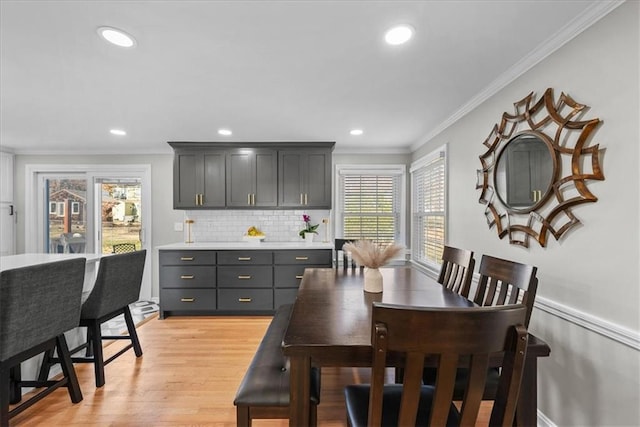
[
  {"x": 245, "y": 299},
  {"x": 246, "y": 277},
  {"x": 193, "y": 276},
  {"x": 187, "y": 299}
]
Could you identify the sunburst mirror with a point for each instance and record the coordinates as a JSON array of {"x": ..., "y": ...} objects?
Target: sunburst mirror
[{"x": 536, "y": 168}]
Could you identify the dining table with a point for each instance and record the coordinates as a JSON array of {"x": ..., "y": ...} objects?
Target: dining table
[{"x": 330, "y": 325}]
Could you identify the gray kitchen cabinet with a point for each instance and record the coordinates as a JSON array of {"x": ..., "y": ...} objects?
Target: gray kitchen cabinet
[
  {"x": 232, "y": 282},
  {"x": 251, "y": 178},
  {"x": 187, "y": 282},
  {"x": 199, "y": 179},
  {"x": 245, "y": 281},
  {"x": 304, "y": 178},
  {"x": 288, "y": 269}
]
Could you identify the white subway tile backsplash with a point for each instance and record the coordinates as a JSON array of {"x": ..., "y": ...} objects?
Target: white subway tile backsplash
[{"x": 231, "y": 225}]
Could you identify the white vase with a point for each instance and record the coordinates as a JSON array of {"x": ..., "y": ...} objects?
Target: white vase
[
  {"x": 308, "y": 238},
  {"x": 372, "y": 280}
]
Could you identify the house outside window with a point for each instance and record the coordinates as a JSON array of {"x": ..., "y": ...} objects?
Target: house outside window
[
  {"x": 75, "y": 208},
  {"x": 53, "y": 208},
  {"x": 428, "y": 209},
  {"x": 60, "y": 208},
  {"x": 371, "y": 202}
]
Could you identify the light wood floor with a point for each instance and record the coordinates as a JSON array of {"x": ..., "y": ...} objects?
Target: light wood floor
[{"x": 188, "y": 376}]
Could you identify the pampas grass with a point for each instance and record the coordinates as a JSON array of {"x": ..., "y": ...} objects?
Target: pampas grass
[{"x": 370, "y": 254}]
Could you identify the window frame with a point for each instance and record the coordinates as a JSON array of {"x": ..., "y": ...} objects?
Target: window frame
[
  {"x": 399, "y": 170},
  {"x": 424, "y": 161}
]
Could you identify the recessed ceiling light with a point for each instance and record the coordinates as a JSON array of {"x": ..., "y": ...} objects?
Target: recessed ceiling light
[
  {"x": 399, "y": 34},
  {"x": 117, "y": 37},
  {"x": 118, "y": 132},
  {"x": 356, "y": 132},
  {"x": 224, "y": 132}
]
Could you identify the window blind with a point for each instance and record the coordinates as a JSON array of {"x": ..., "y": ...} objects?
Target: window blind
[
  {"x": 429, "y": 209},
  {"x": 370, "y": 205}
]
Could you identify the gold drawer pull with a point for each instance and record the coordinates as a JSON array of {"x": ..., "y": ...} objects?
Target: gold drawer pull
[
  {"x": 187, "y": 299},
  {"x": 244, "y": 299},
  {"x": 185, "y": 276},
  {"x": 244, "y": 277},
  {"x": 186, "y": 258},
  {"x": 302, "y": 258},
  {"x": 298, "y": 277},
  {"x": 244, "y": 258}
]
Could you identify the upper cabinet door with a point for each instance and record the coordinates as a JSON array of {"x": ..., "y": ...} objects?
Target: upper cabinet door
[
  {"x": 200, "y": 180},
  {"x": 251, "y": 178},
  {"x": 304, "y": 179}
]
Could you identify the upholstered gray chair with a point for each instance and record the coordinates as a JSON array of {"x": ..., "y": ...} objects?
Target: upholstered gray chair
[
  {"x": 38, "y": 304},
  {"x": 117, "y": 285}
]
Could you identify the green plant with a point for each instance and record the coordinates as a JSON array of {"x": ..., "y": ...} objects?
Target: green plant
[{"x": 308, "y": 227}]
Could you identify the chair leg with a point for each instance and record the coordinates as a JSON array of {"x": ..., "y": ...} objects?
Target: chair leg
[
  {"x": 68, "y": 370},
  {"x": 242, "y": 416},
  {"x": 98, "y": 357},
  {"x": 88, "y": 352},
  {"x": 4, "y": 395},
  {"x": 131, "y": 327},
  {"x": 45, "y": 366},
  {"x": 15, "y": 391}
]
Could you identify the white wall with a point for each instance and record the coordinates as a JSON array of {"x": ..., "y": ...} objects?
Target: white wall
[{"x": 591, "y": 276}]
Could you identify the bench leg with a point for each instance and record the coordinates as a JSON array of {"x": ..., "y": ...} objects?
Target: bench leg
[{"x": 242, "y": 416}]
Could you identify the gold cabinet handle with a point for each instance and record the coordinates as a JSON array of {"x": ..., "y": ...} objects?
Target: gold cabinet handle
[
  {"x": 186, "y": 258},
  {"x": 187, "y": 276},
  {"x": 242, "y": 276},
  {"x": 302, "y": 258},
  {"x": 249, "y": 198},
  {"x": 187, "y": 299},
  {"x": 244, "y": 299},
  {"x": 201, "y": 199},
  {"x": 253, "y": 199},
  {"x": 305, "y": 199},
  {"x": 298, "y": 277},
  {"x": 301, "y": 199},
  {"x": 534, "y": 195},
  {"x": 244, "y": 258},
  {"x": 197, "y": 199}
]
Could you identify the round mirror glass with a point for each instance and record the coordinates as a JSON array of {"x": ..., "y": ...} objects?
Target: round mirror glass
[{"x": 524, "y": 172}]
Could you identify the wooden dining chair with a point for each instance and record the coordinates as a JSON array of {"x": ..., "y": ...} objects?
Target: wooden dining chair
[
  {"x": 501, "y": 282},
  {"x": 339, "y": 243},
  {"x": 506, "y": 282},
  {"x": 457, "y": 270},
  {"x": 446, "y": 337}
]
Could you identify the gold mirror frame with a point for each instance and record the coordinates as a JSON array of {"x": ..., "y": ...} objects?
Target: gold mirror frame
[{"x": 559, "y": 122}]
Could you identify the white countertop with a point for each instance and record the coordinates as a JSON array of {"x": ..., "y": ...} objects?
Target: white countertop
[
  {"x": 245, "y": 245},
  {"x": 23, "y": 260}
]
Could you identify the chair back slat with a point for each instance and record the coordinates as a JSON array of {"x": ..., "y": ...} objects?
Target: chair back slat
[
  {"x": 506, "y": 282},
  {"x": 117, "y": 284},
  {"x": 38, "y": 303},
  {"x": 457, "y": 270},
  {"x": 453, "y": 335}
]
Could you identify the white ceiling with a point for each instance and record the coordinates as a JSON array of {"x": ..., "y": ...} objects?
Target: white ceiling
[{"x": 268, "y": 70}]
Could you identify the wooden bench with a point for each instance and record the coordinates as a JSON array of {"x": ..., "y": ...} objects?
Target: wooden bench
[{"x": 264, "y": 390}]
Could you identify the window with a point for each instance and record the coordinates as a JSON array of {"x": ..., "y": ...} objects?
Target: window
[
  {"x": 75, "y": 208},
  {"x": 60, "y": 208},
  {"x": 428, "y": 222},
  {"x": 53, "y": 208},
  {"x": 371, "y": 202}
]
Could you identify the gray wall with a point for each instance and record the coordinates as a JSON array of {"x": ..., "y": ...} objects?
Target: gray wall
[{"x": 589, "y": 281}]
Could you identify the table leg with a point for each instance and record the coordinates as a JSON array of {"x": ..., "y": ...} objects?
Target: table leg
[
  {"x": 300, "y": 385},
  {"x": 527, "y": 411}
]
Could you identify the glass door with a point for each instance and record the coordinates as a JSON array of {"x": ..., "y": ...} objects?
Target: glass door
[
  {"x": 65, "y": 221},
  {"x": 120, "y": 215}
]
